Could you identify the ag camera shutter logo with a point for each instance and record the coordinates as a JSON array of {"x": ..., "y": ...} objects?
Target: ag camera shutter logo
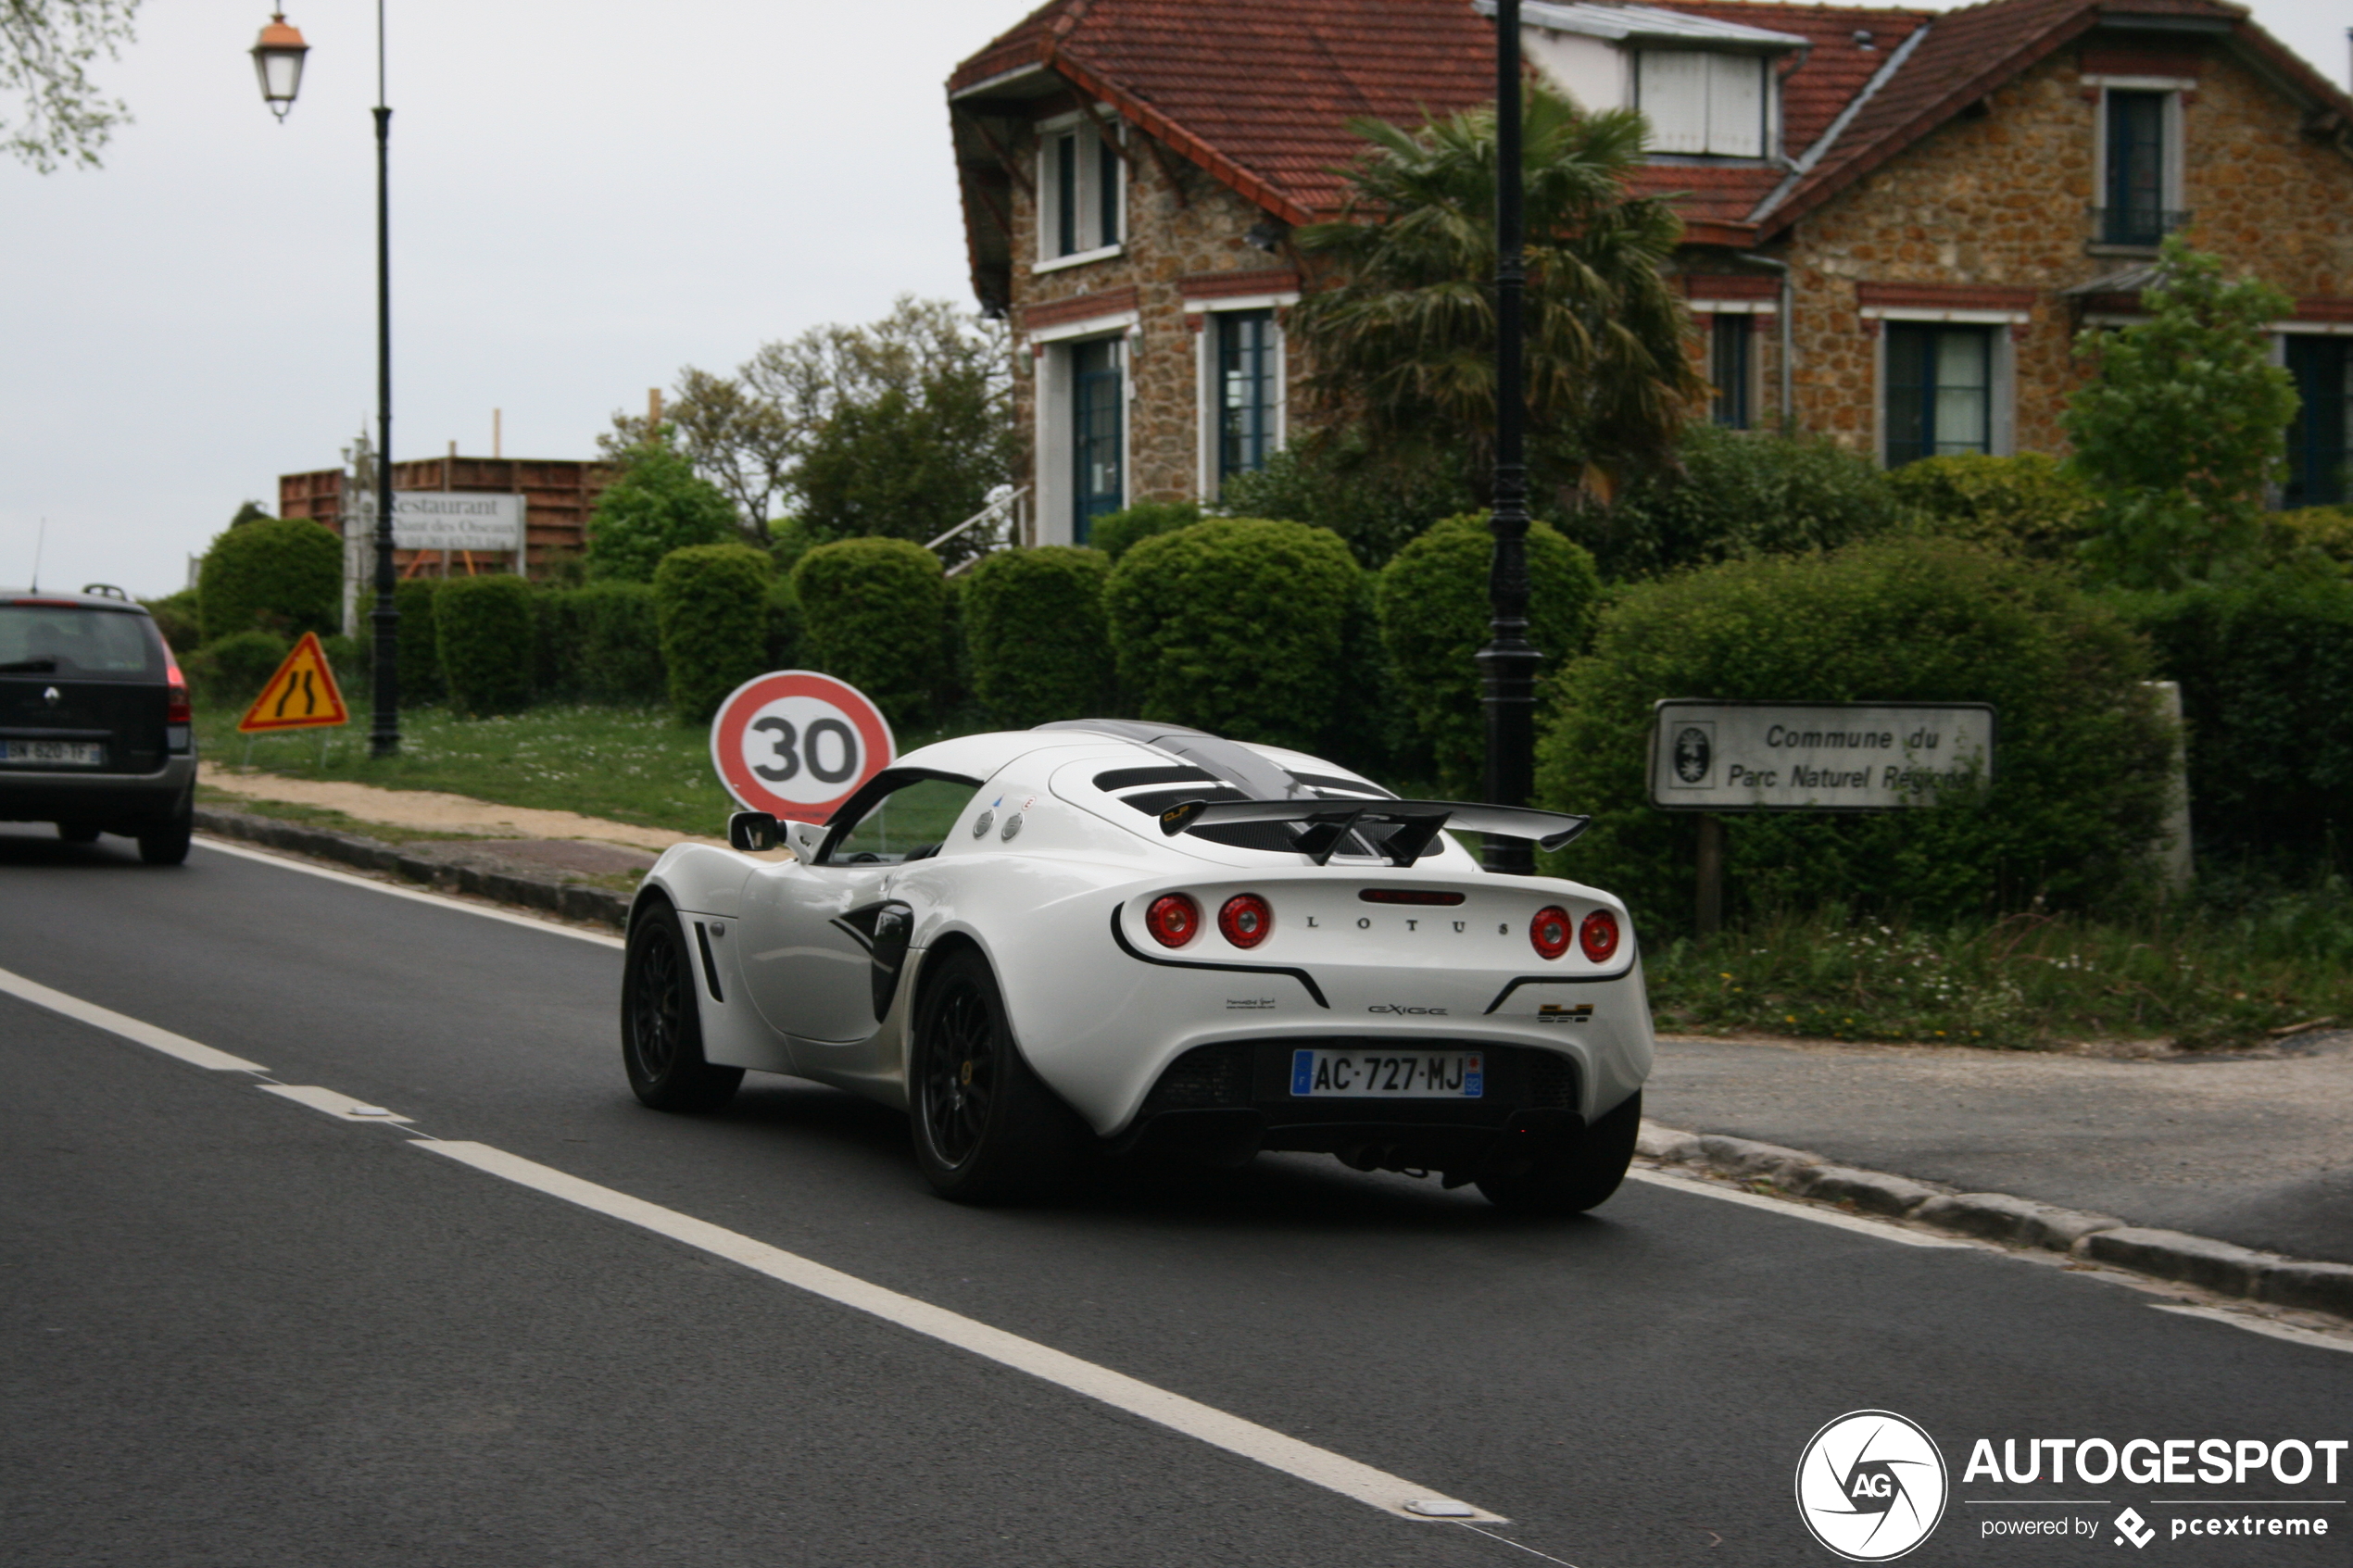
[{"x": 1871, "y": 1485}]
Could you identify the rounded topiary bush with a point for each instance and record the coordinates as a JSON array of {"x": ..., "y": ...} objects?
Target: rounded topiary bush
[
  {"x": 619, "y": 632},
  {"x": 2027, "y": 503},
  {"x": 276, "y": 573},
  {"x": 874, "y": 614},
  {"x": 1117, "y": 533},
  {"x": 712, "y": 603},
  {"x": 1434, "y": 609},
  {"x": 1035, "y": 634},
  {"x": 485, "y": 634},
  {"x": 419, "y": 662},
  {"x": 1240, "y": 626},
  {"x": 2079, "y": 788}
]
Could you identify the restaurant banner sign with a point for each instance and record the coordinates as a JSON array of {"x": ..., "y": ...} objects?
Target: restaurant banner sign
[{"x": 1815, "y": 757}]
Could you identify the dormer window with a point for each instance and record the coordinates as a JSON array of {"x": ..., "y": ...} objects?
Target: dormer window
[
  {"x": 1081, "y": 191},
  {"x": 1702, "y": 102}
]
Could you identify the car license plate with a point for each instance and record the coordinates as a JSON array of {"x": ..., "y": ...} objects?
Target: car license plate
[
  {"x": 1389, "y": 1075},
  {"x": 73, "y": 752}
]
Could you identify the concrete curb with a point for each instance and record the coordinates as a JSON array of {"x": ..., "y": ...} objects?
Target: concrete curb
[
  {"x": 2218, "y": 1266},
  {"x": 594, "y": 906}
]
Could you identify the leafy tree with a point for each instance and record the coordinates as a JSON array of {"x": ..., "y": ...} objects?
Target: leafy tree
[
  {"x": 1403, "y": 342},
  {"x": 44, "y": 46},
  {"x": 2182, "y": 425},
  {"x": 251, "y": 511},
  {"x": 899, "y": 428},
  {"x": 657, "y": 504}
]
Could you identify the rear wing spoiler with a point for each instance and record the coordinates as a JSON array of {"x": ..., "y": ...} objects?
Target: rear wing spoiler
[{"x": 1321, "y": 825}]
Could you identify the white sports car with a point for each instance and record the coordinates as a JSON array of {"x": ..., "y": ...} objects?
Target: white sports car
[{"x": 1124, "y": 936}]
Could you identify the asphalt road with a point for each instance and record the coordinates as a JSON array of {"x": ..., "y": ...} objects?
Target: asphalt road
[{"x": 234, "y": 1330}]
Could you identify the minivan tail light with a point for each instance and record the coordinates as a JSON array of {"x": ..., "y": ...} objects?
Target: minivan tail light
[
  {"x": 1549, "y": 931},
  {"x": 1172, "y": 918},
  {"x": 176, "y": 708},
  {"x": 1245, "y": 920},
  {"x": 1598, "y": 935}
]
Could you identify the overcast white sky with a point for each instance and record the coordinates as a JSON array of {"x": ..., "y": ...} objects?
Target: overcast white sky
[{"x": 585, "y": 198}]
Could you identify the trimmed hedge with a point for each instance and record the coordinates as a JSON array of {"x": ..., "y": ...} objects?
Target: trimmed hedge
[
  {"x": 275, "y": 573},
  {"x": 875, "y": 612},
  {"x": 599, "y": 643},
  {"x": 2080, "y": 780},
  {"x": 1240, "y": 626},
  {"x": 2266, "y": 668},
  {"x": 1034, "y": 626},
  {"x": 484, "y": 626},
  {"x": 2027, "y": 503},
  {"x": 712, "y": 604},
  {"x": 1434, "y": 610},
  {"x": 177, "y": 618},
  {"x": 1739, "y": 492},
  {"x": 420, "y": 638},
  {"x": 1116, "y": 534},
  {"x": 784, "y": 625}
]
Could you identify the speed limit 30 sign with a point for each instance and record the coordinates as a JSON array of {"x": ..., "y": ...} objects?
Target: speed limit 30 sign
[{"x": 796, "y": 744}]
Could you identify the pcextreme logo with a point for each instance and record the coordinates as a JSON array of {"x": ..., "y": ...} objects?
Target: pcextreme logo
[{"x": 1871, "y": 1485}]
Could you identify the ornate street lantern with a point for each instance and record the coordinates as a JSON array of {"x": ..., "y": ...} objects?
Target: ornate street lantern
[{"x": 277, "y": 60}]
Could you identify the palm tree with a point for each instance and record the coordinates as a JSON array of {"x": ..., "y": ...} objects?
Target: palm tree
[{"x": 1402, "y": 341}]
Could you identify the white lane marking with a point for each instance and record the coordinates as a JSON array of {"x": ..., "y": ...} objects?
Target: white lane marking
[
  {"x": 1879, "y": 1228},
  {"x": 2291, "y": 1332},
  {"x": 530, "y": 922},
  {"x": 342, "y": 1107},
  {"x": 1320, "y": 1466},
  {"x": 131, "y": 1029}
]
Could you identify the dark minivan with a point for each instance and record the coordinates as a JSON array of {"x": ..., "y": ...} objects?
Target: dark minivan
[{"x": 95, "y": 733}]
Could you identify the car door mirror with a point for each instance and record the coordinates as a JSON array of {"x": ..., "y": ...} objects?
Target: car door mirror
[{"x": 753, "y": 832}]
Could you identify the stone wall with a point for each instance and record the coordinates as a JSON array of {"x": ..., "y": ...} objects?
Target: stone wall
[
  {"x": 1180, "y": 222},
  {"x": 2002, "y": 199}
]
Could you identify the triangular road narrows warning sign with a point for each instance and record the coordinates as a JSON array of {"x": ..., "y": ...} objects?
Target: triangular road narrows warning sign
[{"x": 301, "y": 696}]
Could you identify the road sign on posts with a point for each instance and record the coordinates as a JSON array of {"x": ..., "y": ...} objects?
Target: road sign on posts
[
  {"x": 796, "y": 744},
  {"x": 1815, "y": 757},
  {"x": 1718, "y": 756},
  {"x": 301, "y": 696}
]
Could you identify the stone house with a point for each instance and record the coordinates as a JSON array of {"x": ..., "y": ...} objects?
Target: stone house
[{"x": 1896, "y": 220}]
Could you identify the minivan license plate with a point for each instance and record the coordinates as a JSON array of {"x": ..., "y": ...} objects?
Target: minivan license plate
[
  {"x": 1389, "y": 1075},
  {"x": 73, "y": 752}
]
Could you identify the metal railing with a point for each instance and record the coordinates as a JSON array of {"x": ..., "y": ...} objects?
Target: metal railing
[
  {"x": 1005, "y": 510},
  {"x": 2134, "y": 225}
]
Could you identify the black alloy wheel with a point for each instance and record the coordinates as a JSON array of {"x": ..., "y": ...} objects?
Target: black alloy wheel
[
  {"x": 661, "y": 1027},
  {"x": 986, "y": 1129}
]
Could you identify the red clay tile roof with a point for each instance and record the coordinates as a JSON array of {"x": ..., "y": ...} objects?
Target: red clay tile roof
[{"x": 1260, "y": 94}]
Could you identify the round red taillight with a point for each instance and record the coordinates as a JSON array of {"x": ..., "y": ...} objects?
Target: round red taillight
[
  {"x": 1173, "y": 920},
  {"x": 1598, "y": 935},
  {"x": 1246, "y": 920},
  {"x": 1549, "y": 930}
]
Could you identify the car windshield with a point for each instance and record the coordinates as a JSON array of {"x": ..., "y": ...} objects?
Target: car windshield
[
  {"x": 38, "y": 639},
  {"x": 906, "y": 824}
]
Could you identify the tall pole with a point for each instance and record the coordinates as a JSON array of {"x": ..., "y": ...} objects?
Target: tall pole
[
  {"x": 1508, "y": 661},
  {"x": 384, "y": 737}
]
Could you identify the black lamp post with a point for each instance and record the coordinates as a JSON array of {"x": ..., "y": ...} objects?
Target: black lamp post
[
  {"x": 1508, "y": 661},
  {"x": 277, "y": 58}
]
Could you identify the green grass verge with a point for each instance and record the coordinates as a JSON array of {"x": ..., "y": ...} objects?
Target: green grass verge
[
  {"x": 624, "y": 764},
  {"x": 2207, "y": 978}
]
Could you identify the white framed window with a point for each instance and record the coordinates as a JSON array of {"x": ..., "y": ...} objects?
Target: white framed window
[
  {"x": 1082, "y": 192},
  {"x": 1243, "y": 385},
  {"x": 1947, "y": 383},
  {"x": 1083, "y": 411},
  {"x": 1705, "y": 102},
  {"x": 2137, "y": 150}
]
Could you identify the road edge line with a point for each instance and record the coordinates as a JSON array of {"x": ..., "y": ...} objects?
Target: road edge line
[{"x": 512, "y": 917}]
